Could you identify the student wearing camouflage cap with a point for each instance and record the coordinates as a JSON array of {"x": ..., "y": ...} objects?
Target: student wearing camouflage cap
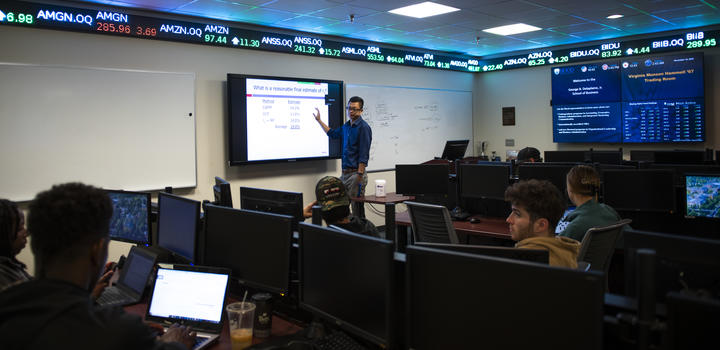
[{"x": 332, "y": 196}]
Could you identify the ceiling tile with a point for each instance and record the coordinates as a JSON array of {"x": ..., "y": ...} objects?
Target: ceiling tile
[
  {"x": 343, "y": 12},
  {"x": 300, "y": 6}
]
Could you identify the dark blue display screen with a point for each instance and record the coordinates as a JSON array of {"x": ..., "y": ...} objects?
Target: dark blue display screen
[
  {"x": 587, "y": 83},
  {"x": 642, "y": 100}
]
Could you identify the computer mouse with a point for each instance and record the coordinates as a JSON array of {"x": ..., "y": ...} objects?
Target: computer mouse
[{"x": 474, "y": 220}]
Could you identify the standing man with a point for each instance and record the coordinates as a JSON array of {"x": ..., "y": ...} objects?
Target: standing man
[{"x": 356, "y": 138}]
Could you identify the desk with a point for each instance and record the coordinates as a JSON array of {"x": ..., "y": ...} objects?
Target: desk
[
  {"x": 391, "y": 197},
  {"x": 487, "y": 231},
  {"x": 280, "y": 327}
]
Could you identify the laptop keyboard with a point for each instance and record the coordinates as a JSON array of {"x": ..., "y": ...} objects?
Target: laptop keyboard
[
  {"x": 112, "y": 296},
  {"x": 337, "y": 341},
  {"x": 199, "y": 340}
]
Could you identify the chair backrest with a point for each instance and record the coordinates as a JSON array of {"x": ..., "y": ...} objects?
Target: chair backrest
[
  {"x": 598, "y": 245},
  {"x": 431, "y": 223}
]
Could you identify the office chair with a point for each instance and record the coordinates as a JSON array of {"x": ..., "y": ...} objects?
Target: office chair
[
  {"x": 431, "y": 223},
  {"x": 598, "y": 246}
]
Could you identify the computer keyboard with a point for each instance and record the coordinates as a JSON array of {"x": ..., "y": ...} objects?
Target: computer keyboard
[
  {"x": 199, "y": 340},
  {"x": 111, "y": 296},
  {"x": 337, "y": 341}
]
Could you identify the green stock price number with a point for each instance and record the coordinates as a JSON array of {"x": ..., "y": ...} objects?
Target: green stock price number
[
  {"x": 217, "y": 39},
  {"x": 375, "y": 57},
  {"x": 304, "y": 49},
  {"x": 20, "y": 18},
  {"x": 696, "y": 44}
]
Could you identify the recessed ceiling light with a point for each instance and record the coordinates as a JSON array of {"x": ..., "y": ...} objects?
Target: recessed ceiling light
[
  {"x": 512, "y": 29},
  {"x": 615, "y": 16},
  {"x": 422, "y": 10}
]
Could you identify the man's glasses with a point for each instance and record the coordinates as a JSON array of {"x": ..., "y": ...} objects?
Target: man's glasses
[{"x": 352, "y": 109}]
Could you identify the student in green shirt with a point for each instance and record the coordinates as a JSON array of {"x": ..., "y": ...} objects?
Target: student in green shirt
[{"x": 583, "y": 184}]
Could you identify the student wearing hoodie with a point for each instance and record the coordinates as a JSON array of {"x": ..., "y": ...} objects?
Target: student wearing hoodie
[
  {"x": 69, "y": 225},
  {"x": 537, "y": 206}
]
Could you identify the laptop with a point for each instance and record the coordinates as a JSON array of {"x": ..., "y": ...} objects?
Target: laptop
[
  {"x": 193, "y": 296},
  {"x": 133, "y": 278}
]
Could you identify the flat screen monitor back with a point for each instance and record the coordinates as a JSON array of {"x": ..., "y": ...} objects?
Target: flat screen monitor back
[
  {"x": 484, "y": 180},
  {"x": 459, "y": 301},
  {"x": 682, "y": 263},
  {"x": 606, "y": 157},
  {"x": 177, "y": 226},
  {"x": 418, "y": 179},
  {"x": 555, "y": 173},
  {"x": 348, "y": 279},
  {"x": 254, "y": 245},
  {"x": 272, "y": 201},
  {"x": 566, "y": 156},
  {"x": 639, "y": 190},
  {"x": 130, "y": 221},
  {"x": 455, "y": 149},
  {"x": 530, "y": 255}
]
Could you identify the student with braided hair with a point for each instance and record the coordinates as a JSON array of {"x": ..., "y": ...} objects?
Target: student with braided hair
[
  {"x": 583, "y": 184},
  {"x": 13, "y": 238}
]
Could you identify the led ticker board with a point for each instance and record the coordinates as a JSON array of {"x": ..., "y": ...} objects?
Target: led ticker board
[
  {"x": 113, "y": 21},
  {"x": 693, "y": 39},
  {"x": 117, "y": 22}
]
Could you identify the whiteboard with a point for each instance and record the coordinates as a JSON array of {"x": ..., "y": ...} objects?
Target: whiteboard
[
  {"x": 120, "y": 129},
  {"x": 411, "y": 125}
]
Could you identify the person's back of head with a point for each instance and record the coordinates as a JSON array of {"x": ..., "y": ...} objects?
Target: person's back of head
[
  {"x": 332, "y": 196},
  {"x": 9, "y": 227},
  {"x": 529, "y": 154},
  {"x": 540, "y": 198},
  {"x": 583, "y": 180},
  {"x": 66, "y": 223}
]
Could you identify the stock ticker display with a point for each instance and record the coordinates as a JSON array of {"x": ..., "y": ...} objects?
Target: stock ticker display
[{"x": 114, "y": 21}]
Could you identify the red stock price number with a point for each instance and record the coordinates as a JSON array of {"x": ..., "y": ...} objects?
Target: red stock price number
[{"x": 113, "y": 28}]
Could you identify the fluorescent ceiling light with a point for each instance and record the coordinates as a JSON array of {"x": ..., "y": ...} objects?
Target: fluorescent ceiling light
[
  {"x": 615, "y": 16},
  {"x": 512, "y": 29},
  {"x": 422, "y": 10}
]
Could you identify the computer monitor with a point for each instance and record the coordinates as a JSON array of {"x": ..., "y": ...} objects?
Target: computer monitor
[
  {"x": 567, "y": 156},
  {"x": 254, "y": 245},
  {"x": 680, "y": 157},
  {"x": 221, "y": 192},
  {"x": 461, "y": 301},
  {"x": 556, "y": 173},
  {"x": 130, "y": 221},
  {"x": 692, "y": 322},
  {"x": 419, "y": 179},
  {"x": 682, "y": 263},
  {"x": 606, "y": 157},
  {"x": 272, "y": 201},
  {"x": 347, "y": 279},
  {"x": 530, "y": 255},
  {"x": 702, "y": 195},
  {"x": 455, "y": 149},
  {"x": 681, "y": 169},
  {"x": 177, "y": 226},
  {"x": 639, "y": 190},
  {"x": 484, "y": 180}
]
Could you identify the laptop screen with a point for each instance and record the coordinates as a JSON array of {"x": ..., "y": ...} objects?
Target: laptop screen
[
  {"x": 138, "y": 267},
  {"x": 188, "y": 295}
]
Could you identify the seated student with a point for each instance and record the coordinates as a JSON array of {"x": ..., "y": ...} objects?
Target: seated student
[
  {"x": 583, "y": 184},
  {"x": 332, "y": 196},
  {"x": 69, "y": 224},
  {"x": 12, "y": 271},
  {"x": 528, "y": 155},
  {"x": 536, "y": 209},
  {"x": 13, "y": 238}
]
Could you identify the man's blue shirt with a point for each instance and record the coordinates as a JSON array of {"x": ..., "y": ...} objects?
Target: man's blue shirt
[{"x": 356, "y": 138}]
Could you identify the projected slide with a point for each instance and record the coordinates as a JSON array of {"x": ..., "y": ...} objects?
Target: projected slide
[
  {"x": 283, "y": 110},
  {"x": 703, "y": 196}
]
